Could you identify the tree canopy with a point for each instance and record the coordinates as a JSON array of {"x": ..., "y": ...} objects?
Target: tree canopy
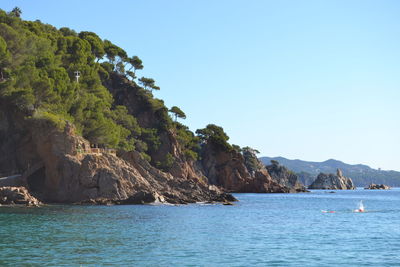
[
  {"x": 250, "y": 158},
  {"x": 178, "y": 113},
  {"x": 148, "y": 84},
  {"x": 215, "y": 135}
]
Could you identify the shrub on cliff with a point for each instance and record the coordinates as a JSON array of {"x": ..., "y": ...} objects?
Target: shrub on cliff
[
  {"x": 214, "y": 135},
  {"x": 250, "y": 158}
]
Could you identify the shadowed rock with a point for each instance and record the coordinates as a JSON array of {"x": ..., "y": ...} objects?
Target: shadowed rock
[
  {"x": 378, "y": 186},
  {"x": 228, "y": 170},
  {"x": 285, "y": 177},
  {"x": 17, "y": 195},
  {"x": 332, "y": 182}
]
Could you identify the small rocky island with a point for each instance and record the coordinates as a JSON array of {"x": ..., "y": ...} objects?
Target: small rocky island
[
  {"x": 332, "y": 182},
  {"x": 378, "y": 186}
]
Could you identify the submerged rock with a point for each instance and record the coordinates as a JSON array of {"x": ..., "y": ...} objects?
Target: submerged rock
[
  {"x": 378, "y": 186},
  {"x": 17, "y": 195},
  {"x": 332, "y": 182}
]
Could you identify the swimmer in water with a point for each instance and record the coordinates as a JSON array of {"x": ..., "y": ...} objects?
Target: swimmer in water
[{"x": 360, "y": 207}]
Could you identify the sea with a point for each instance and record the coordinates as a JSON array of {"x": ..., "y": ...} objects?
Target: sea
[{"x": 320, "y": 228}]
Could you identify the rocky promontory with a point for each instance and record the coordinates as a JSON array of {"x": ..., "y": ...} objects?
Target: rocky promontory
[
  {"x": 227, "y": 169},
  {"x": 78, "y": 125},
  {"x": 332, "y": 182},
  {"x": 17, "y": 196},
  {"x": 378, "y": 186},
  {"x": 285, "y": 177}
]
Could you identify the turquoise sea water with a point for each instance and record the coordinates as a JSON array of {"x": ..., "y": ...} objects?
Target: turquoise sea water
[{"x": 260, "y": 230}]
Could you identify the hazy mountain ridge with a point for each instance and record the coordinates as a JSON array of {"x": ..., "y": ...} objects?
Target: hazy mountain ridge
[{"x": 361, "y": 175}]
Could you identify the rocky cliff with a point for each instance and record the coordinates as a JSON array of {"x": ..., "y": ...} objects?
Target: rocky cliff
[
  {"x": 333, "y": 182},
  {"x": 228, "y": 170},
  {"x": 285, "y": 177},
  {"x": 57, "y": 167},
  {"x": 89, "y": 83},
  {"x": 142, "y": 107}
]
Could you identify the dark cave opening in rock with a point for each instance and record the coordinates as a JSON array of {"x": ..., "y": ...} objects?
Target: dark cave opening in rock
[{"x": 36, "y": 181}]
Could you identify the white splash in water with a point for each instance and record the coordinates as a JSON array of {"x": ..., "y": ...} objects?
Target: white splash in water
[{"x": 360, "y": 207}]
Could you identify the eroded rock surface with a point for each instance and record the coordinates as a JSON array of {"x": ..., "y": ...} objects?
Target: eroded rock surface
[
  {"x": 56, "y": 168},
  {"x": 227, "y": 169},
  {"x": 17, "y": 195},
  {"x": 285, "y": 177},
  {"x": 332, "y": 182},
  {"x": 71, "y": 176}
]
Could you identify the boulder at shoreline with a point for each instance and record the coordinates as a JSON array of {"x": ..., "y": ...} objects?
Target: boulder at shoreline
[{"x": 17, "y": 195}]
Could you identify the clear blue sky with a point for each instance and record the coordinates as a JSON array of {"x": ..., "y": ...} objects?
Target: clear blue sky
[{"x": 301, "y": 79}]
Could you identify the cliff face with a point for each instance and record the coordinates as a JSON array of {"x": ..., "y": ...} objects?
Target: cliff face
[
  {"x": 142, "y": 107},
  {"x": 55, "y": 168},
  {"x": 331, "y": 181},
  {"x": 227, "y": 169},
  {"x": 285, "y": 178}
]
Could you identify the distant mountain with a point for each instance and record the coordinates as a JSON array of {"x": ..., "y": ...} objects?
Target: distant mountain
[{"x": 361, "y": 175}]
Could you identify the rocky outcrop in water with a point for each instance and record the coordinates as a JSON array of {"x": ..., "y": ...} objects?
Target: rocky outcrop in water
[
  {"x": 17, "y": 195},
  {"x": 332, "y": 182},
  {"x": 378, "y": 186},
  {"x": 285, "y": 177},
  {"x": 228, "y": 170}
]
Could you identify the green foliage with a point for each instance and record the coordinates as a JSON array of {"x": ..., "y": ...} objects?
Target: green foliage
[
  {"x": 151, "y": 137},
  {"x": 145, "y": 156},
  {"x": 136, "y": 63},
  {"x": 237, "y": 148},
  {"x": 4, "y": 53},
  {"x": 178, "y": 113},
  {"x": 148, "y": 84},
  {"x": 68, "y": 32},
  {"x": 95, "y": 42},
  {"x": 37, "y": 65},
  {"x": 191, "y": 155},
  {"x": 188, "y": 141},
  {"x": 114, "y": 53},
  {"x": 274, "y": 162},
  {"x": 56, "y": 120},
  {"x": 37, "y": 75},
  {"x": 167, "y": 163},
  {"x": 250, "y": 158},
  {"x": 16, "y": 12},
  {"x": 214, "y": 135}
]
